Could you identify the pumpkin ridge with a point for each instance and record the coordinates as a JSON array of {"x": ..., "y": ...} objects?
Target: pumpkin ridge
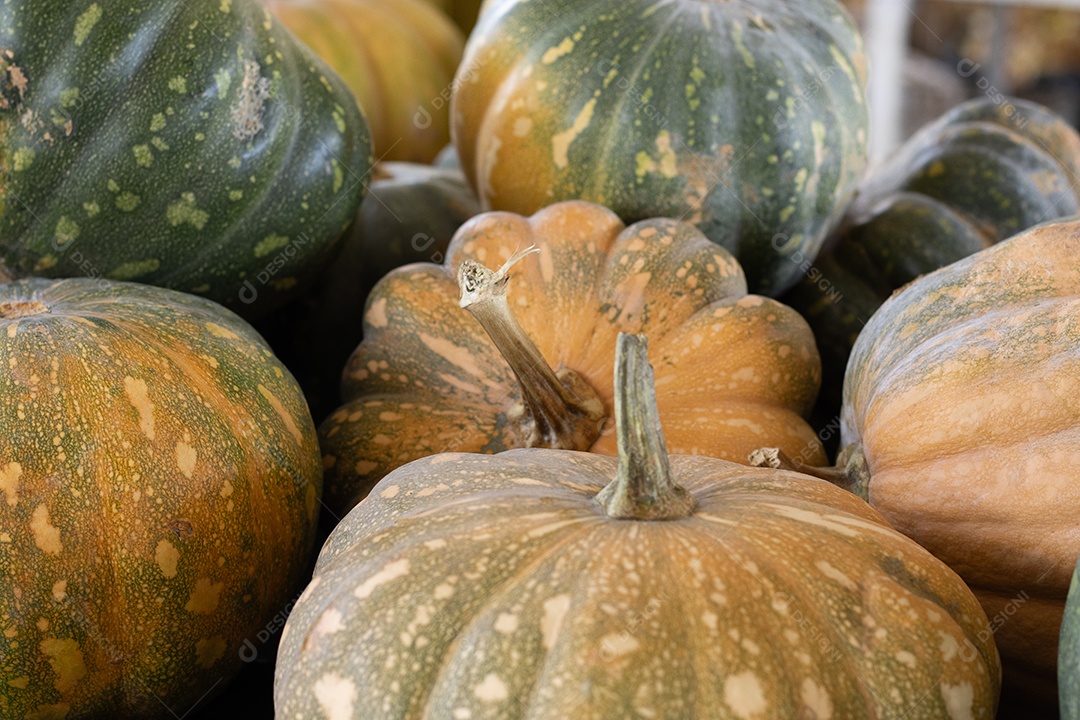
[
  {"x": 606, "y": 151},
  {"x": 494, "y": 596}
]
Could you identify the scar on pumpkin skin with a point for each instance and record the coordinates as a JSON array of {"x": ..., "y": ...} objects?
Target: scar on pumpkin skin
[{"x": 247, "y": 113}]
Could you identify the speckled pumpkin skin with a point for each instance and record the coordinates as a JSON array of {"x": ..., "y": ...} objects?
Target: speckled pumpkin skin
[
  {"x": 745, "y": 117},
  {"x": 734, "y": 371},
  {"x": 977, "y": 175},
  {"x": 194, "y": 145},
  {"x": 160, "y": 482},
  {"x": 497, "y": 585},
  {"x": 397, "y": 56},
  {"x": 962, "y": 394},
  {"x": 1068, "y": 670}
]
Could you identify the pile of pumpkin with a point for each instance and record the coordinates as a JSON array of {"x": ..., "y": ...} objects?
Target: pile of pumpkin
[{"x": 582, "y": 465}]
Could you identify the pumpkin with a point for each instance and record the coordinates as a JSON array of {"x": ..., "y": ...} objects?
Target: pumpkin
[
  {"x": 160, "y": 478},
  {"x": 1068, "y": 669},
  {"x": 979, "y": 174},
  {"x": 464, "y": 12},
  {"x": 409, "y": 215},
  {"x": 193, "y": 145},
  {"x": 747, "y": 119},
  {"x": 961, "y": 425},
  {"x": 549, "y": 583},
  {"x": 429, "y": 378},
  {"x": 397, "y": 56}
]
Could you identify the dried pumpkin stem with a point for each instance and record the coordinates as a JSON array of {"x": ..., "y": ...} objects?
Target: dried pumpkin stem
[
  {"x": 850, "y": 473},
  {"x": 561, "y": 409},
  {"x": 644, "y": 488}
]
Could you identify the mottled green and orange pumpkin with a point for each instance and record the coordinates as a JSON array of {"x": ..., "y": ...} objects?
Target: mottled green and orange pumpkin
[
  {"x": 159, "y": 488},
  {"x": 747, "y": 117},
  {"x": 194, "y": 145},
  {"x": 529, "y": 363},
  {"x": 979, "y": 174},
  {"x": 961, "y": 425},
  {"x": 397, "y": 56},
  {"x": 551, "y": 584}
]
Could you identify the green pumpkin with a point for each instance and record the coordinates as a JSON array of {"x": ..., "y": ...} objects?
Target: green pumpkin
[
  {"x": 194, "y": 145},
  {"x": 554, "y": 585},
  {"x": 747, "y": 119},
  {"x": 159, "y": 488},
  {"x": 1068, "y": 668},
  {"x": 977, "y": 175}
]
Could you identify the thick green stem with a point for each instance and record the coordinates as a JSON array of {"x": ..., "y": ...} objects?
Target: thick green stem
[
  {"x": 561, "y": 410},
  {"x": 644, "y": 488},
  {"x": 850, "y": 473}
]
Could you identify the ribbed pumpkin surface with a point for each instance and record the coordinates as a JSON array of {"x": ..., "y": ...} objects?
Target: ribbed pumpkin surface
[
  {"x": 981, "y": 173},
  {"x": 962, "y": 394},
  {"x": 494, "y": 587},
  {"x": 736, "y": 371},
  {"x": 194, "y": 145},
  {"x": 745, "y": 117},
  {"x": 160, "y": 484}
]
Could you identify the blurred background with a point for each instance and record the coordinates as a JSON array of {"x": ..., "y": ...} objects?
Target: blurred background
[{"x": 928, "y": 55}]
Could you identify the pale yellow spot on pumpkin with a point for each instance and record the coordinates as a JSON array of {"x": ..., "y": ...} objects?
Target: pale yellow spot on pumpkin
[
  {"x": 390, "y": 572},
  {"x": 59, "y": 590},
  {"x": 390, "y": 492},
  {"x": 618, "y": 644},
  {"x": 812, "y": 518},
  {"x": 454, "y": 354},
  {"x": 744, "y": 695},
  {"x": 522, "y": 126},
  {"x": 46, "y": 536},
  {"x": 491, "y": 690},
  {"x": 186, "y": 457},
  {"x": 959, "y": 700},
  {"x": 20, "y": 682},
  {"x": 86, "y": 22},
  {"x": 949, "y": 646},
  {"x": 555, "y": 610},
  {"x": 363, "y": 467},
  {"x": 335, "y": 696},
  {"x": 435, "y": 544},
  {"x": 209, "y": 650},
  {"x": 905, "y": 658},
  {"x": 167, "y": 557},
  {"x": 139, "y": 397},
  {"x": 286, "y": 418},
  {"x": 328, "y": 624},
  {"x": 226, "y": 489},
  {"x": 376, "y": 315},
  {"x": 506, "y": 623},
  {"x": 816, "y": 699},
  {"x": 204, "y": 597},
  {"x": 66, "y": 660},
  {"x": 444, "y": 591},
  {"x": 560, "y": 143},
  {"x": 221, "y": 332},
  {"x": 554, "y": 53},
  {"x": 833, "y": 573},
  {"x": 9, "y": 482}
]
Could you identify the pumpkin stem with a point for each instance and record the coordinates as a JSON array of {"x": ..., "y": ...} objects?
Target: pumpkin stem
[
  {"x": 850, "y": 473},
  {"x": 560, "y": 410},
  {"x": 643, "y": 488}
]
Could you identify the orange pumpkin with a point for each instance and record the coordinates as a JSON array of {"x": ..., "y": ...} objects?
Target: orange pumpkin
[
  {"x": 733, "y": 368},
  {"x": 397, "y": 56},
  {"x": 961, "y": 425}
]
